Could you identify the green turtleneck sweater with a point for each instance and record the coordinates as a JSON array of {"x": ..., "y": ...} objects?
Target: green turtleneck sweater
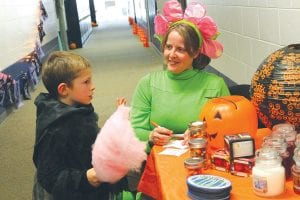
[{"x": 172, "y": 100}]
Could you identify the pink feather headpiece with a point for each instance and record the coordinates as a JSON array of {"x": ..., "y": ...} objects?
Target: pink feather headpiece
[{"x": 195, "y": 16}]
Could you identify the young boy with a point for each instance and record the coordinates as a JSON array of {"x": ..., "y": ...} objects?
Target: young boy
[{"x": 66, "y": 128}]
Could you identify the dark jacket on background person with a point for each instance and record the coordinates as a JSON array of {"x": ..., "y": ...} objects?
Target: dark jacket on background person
[{"x": 63, "y": 150}]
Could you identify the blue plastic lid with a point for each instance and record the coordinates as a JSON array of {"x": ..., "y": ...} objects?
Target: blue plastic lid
[{"x": 209, "y": 182}]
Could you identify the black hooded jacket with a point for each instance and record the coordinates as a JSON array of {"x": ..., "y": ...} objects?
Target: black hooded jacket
[{"x": 62, "y": 151}]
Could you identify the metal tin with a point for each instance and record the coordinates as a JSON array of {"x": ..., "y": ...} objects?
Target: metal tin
[{"x": 240, "y": 145}]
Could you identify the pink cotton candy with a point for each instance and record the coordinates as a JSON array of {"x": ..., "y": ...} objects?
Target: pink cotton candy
[{"x": 116, "y": 149}]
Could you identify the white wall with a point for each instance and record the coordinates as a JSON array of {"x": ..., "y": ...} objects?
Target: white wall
[
  {"x": 250, "y": 31},
  {"x": 18, "y": 32}
]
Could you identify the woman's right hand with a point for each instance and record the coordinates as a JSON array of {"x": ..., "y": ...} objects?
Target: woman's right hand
[
  {"x": 160, "y": 136},
  {"x": 92, "y": 178}
]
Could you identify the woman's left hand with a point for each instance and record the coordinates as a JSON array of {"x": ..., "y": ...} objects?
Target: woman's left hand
[{"x": 186, "y": 137}]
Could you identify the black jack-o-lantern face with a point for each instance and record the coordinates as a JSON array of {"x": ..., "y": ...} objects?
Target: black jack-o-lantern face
[
  {"x": 226, "y": 116},
  {"x": 275, "y": 87},
  {"x": 217, "y": 116}
]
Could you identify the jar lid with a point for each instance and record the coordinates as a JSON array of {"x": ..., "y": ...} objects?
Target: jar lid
[
  {"x": 283, "y": 127},
  {"x": 290, "y": 136},
  {"x": 193, "y": 163},
  {"x": 267, "y": 155},
  {"x": 197, "y": 124},
  {"x": 209, "y": 184},
  {"x": 198, "y": 142},
  {"x": 277, "y": 142}
]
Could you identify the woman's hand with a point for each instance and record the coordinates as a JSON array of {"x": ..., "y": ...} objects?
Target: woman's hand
[
  {"x": 160, "y": 136},
  {"x": 91, "y": 176}
]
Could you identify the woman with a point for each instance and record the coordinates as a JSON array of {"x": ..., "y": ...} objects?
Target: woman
[{"x": 174, "y": 96}]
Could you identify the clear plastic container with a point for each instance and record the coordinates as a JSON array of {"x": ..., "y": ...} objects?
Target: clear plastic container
[{"x": 268, "y": 174}]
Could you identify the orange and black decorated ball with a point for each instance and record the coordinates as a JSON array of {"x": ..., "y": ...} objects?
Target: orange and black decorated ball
[{"x": 275, "y": 87}]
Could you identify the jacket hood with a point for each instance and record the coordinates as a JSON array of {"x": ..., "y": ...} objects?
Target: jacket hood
[{"x": 50, "y": 110}]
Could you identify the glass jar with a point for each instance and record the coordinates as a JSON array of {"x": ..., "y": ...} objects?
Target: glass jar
[
  {"x": 287, "y": 131},
  {"x": 297, "y": 142},
  {"x": 193, "y": 166},
  {"x": 198, "y": 147},
  {"x": 283, "y": 127},
  {"x": 268, "y": 174},
  {"x": 197, "y": 129},
  {"x": 280, "y": 145},
  {"x": 296, "y": 171}
]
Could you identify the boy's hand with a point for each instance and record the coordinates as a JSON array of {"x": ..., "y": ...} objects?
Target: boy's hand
[
  {"x": 91, "y": 176},
  {"x": 121, "y": 101}
]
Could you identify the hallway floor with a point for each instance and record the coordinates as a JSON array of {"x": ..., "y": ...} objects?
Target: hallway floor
[{"x": 119, "y": 60}]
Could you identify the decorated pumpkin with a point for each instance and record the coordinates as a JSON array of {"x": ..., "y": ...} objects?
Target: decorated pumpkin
[
  {"x": 275, "y": 87},
  {"x": 226, "y": 116}
]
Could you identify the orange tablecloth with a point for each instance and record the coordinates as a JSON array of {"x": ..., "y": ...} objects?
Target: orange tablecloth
[{"x": 164, "y": 177}]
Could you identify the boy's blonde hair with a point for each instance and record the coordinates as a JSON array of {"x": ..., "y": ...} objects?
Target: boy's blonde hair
[{"x": 62, "y": 67}]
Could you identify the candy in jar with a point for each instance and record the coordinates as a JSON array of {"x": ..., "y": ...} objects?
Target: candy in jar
[
  {"x": 268, "y": 174},
  {"x": 193, "y": 166},
  {"x": 197, "y": 129},
  {"x": 198, "y": 147}
]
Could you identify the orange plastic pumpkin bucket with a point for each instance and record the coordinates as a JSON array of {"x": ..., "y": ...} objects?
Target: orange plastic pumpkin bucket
[{"x": 226, "y": 116}]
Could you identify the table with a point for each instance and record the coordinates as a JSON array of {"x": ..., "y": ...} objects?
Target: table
[{"x": 164, "y": 177}]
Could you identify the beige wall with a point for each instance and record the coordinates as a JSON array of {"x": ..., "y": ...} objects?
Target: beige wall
[
  {"x": 251, "y": 30},
  {"x": 18, "y": 32}
]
